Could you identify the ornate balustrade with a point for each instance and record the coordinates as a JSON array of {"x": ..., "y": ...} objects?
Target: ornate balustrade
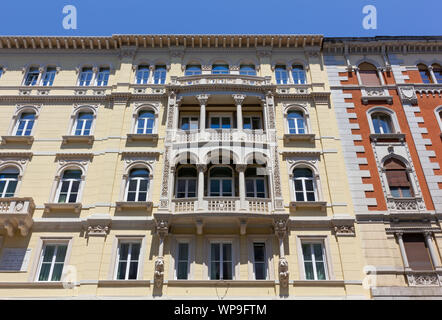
[
  {"x": 222, "y": 204},
  {"x": 217, "y": 79},
  {"x": 250, "y": 136},
  {"x": 423, "y": 278},
  {"x": 16, "y": 213},
  {"x": 376, "y": 94},
  {"x": 405, "y": 205}
]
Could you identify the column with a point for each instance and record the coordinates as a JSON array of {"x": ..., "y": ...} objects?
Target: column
[
  {"x": 241, "y": 168},
  {"x": 356, "y": 69},
  {"x": 239, "y": 98},
  {"x": 280, "y": 227},
  {"x": 402, "y": 248},
  {"x": 290, "y": 75},
  {"x": 202, "y": 98},
  {"x": 433, "y": 77},
  {"x": 162, "y": 230},
  {"x": 151, "y": 72},
  {"x": 381, "y": 76},
  {"x": 201, "y": 168},
  {"x": 430, "y": 246}
]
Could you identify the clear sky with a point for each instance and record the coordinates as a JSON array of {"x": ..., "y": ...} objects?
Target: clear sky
[{"x": 328, "y": 17}]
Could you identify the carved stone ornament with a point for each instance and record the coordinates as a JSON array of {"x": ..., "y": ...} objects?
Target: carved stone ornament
[
  {"x": 345, "y": 230},
  {"x": 423, "y": 279},
  {"x": 280, "y": 227},
  {"x": 408, "y": 94},
  {"x": 283, "y": 269},
  {"x": 162, "y": 228},
  {"x": 159, "y": 272},
  {"x": 97, "y": 230}
]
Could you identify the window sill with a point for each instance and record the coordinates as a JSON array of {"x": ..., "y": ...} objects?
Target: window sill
[
  {"x": 387, "y": 137},
  {"x": 131, "y": 137},
  {"x": 289, "y": 137},
  {"x": 308, "y": 204},
  {"x": 18, "y": 139},
  {"x": 78, "y": 139},
  {"x": 208, "y": 283},
  {"x": 75, "y": 207},
  {"x": 140, "y": 205}
]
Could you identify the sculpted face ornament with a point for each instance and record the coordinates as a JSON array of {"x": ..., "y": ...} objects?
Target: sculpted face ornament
[
  {"x": 159, "y": 272},
  {"x": 283, "y": 268}
]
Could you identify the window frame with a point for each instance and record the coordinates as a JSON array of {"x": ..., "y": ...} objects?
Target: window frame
[
  {"x": 45, "y": 74},
  {"x": 8, "y": 180},
  {"x": 106, "y": 76},
  {"x": 138, "y": 179},
  {"x": 177, "y": 260},
  {"x": 220, "y": 116},
  {"x": 231, "y": 179},
  {"x": 83, "y": 128},
  {"x": 193, "y": 72},
  {"x": 378, "y": 115},
  {"x": 162, "y": 74},
  {"x": 186, "y": 179},
  {"x": 247, "y": 72},
  {"x": 18, "y": 121},
  {"x": 279, "y": 74},
  {"x": 221, "y": 242},
  {"x": 184, "y": 116},
  {"x": 325, "y": 258},
  {"x": 295, "y": 121},
  {"x": 117, "y": 258},
  {"x": 80, "y": 73},
  {"x": 145, "y": 128},
  {"x": 299, "y": 72},
  {"x": 303, "y": 179},
  {"x": 149, "y": 75},
  {"x": 56, "y": 242},
  {"x": 252, "y": 117},
  {"x": 70, "y": 183},
  {"x": 265, "y": 262},
  {"x": 28, "y": 72}
]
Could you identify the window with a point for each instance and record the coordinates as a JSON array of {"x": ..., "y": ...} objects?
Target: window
[
  {"x": 69, "y": 186},
  {"x": 298, "y": 74},
  {"x": 255, "y": 184},
  {"x": 25, "y": 124},
  {"x": 86, "y": 76},
  {"x": 314, "y": 261},
  {"x": 186, "y": 183},
  {"x": 369, "y": 74},
  {"x": 425, "y": 73},
  {"x": 128, "y": 260},
  {"x": 182, "y": 265},
  {"x": 304, "y": 184},
  {"x": 142, "y": 74},
  {"x": 83, "y": 123},
  {"x": 259, "y": 259},
  {"x": 192, "y": 70},
  {"x": 137, "y": 185},
  {"x": 189, "y": 123},
  {"x": 220, "y": 122},
  {"x": 296, "y": 122},
  {"x": 49, "y": 76},
  {"x": 159, "y": 76},
  {"x": 8, "y": 182},
  {"x": 221, "y": 182},
  {"x": 32, "y": 76},
  {"x": 247, "y": 70},
  {"x": 397, "y": 177},
  {"x": 281, "y": 75},
  {"x": 52, "y": 262},
  {"x": 417, "y": 252},
  {"x": 145, "y": 122},
  {"x": 220, "y": 69},
  {"x": 221, "y": 267},
  {"x": 437, "y": 70},
  {"x": 381, "y": 123},
  {"x": 252, "y": 123},
  {"x": 1, "y": 72},
  {"x": 103, "y": 76}
]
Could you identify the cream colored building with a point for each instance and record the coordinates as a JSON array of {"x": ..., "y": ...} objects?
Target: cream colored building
[{"x": 173, "y": 167}]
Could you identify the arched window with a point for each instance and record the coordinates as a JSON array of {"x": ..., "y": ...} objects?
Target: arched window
[
  {"x": 296, "y": 122},
  {"x": 255, "y": 183},
  {"x": 247, "y": 70},
  {"x": 159, "y": 76},
  {"x": 381, "y": 123},
  {"x": 437, "y": 70},
  {"x": 221, "y": 182},
  {"x": 137, "y": 185},
  {"x": 69, "y": 186},
  {"x": 186, "y": 183},
  {"x": 398, "y": 179},
  {"x": 220, "y": 69},
  {"x": 142, "y": 74},
  {"x": 103, "y": 76},
  {"x": 192, "y": 70},
  {"x": 83, "y": 123},
  {"x": 425, "y": 73},
  {"x": 86, "y": 76},
  {"x": 298, "y": 74},
  {"x": 281, "y": 74},
  {"x": 32, "y": 76},
  {"x": 304, "y": 184},
  {"x": 369, "y": 74},
  {"x": 145, "y": 122},
  {"x": 8, "y": 182},
  {"x": 49, "y": 76},
  {"x": 25, "y": 124}
]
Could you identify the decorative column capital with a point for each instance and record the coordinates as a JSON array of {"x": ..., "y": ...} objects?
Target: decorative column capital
[
  {"x": 427, "y": 234},
  {"x": 162, "y": 228},
  {"x": 201, "y": 167},
  {"x": 241, "y": 167},
  {"x": 202, "y": 98},
  {"x": 280, "y": 227},
  {"x": 239, "y": 98}
]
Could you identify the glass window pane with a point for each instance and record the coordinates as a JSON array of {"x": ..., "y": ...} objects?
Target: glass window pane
[
  {"x": 250, "y": 188},
  {"x": 306, "y": 251},
  {"x": 182, "y": 270},
  {"x": 299, "y": 196},
  {"x": 227, "y": 188},
  {"x": 320, "y": 270},
  {"x": 183, "y": 251},
  {"x": 142, "y": 196},
  {"x": 44, "y": 272},
  {"x": 406, "y": 192},
  {"x": 215, "y": 270},
  {"x": 135, "y": 253},
  {"x": 61, "y": 253},
  {"x": 260, "y": 272},
  {"x": 215, "y": 123},
  {"x": 225, "y": 123},
  {"x": 215, "y": 252},
  {"x": 124, "y": 251},
  {"x": 57, "y": 271},
  {"x": 121, "y": 273},
  {"x": 10, "y": 190},
  {"x": 133, "y": 270},
  {"x": 214, "y": 187},
  {"x": 309, "y": 275},
  {"x": 227, "y": 271},
  {"x": 48, "y": 253}
]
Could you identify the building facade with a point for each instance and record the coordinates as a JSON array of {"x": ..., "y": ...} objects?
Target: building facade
[{"x": 386, "y": 92}]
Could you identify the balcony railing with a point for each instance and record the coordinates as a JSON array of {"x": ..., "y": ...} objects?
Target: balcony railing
[
  {"x": 250, "y": 136},
  {"x": 222, "y": 204},
  {"x": 16, "y": 213},
  {"x": 405, "y": 205},
  {"x": 424, "y": 278},
  {"x": 375, "y": 94},
  {"x": 217, "y": 79}
]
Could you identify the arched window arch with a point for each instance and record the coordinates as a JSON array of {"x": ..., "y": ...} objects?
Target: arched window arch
[
  {"x": 69, "y": 186},
  {"x": 247, "y": 69},
  {"x": 425, "y": 73},
  {"x": 369, "y": 74},
  {"x": 159, "y": 76},
  {"x": 298, "y": 74},
  {"x": 192, "y": 70},
  {"x": 137, "y": 184},
  {"x": 32, "y": 76},
  {"x": 49, "y": 76},
  {"x": 186, "y": 182},
  {"x": 142, "y": 75},
  {"x": 25, "y": 123},
  {"x": 281, "y": 74},
  {"x": 221, "y": 182},
  {"x": 220, "y": 68},
  {"x": 8, "y": 181},
  {"x": 256, "y": 182},
  {"x": 437, "y": 71},
  {"x": 304, "y": 184},
  {"x": 382, "y": 122},
  {"x": 145, "y": 121},
  {"x": 296, "y": 122},
  {"x": 398, "y": 178},
  {"x": 86, "y": 76},
  {"x": 83, "y": 123}
]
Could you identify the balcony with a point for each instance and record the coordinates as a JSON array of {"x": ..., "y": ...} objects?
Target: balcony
[
  {"x": 16, "y": 213},
  {"x": 424, "y": 278},
  {"x": 405, "y": 205},
  {"x": 375, "y": 94},
  {"x": 223, "y": 204},
  {"x": 220, "y": 79},
  {"x": 225, "y": 135}
]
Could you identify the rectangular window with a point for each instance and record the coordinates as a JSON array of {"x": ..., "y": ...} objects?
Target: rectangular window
[
  {"x": 220, "y": 123},
  {"x": 259, "y": 256},
  {"x": 221, "y": 266},
  {"x": 189, "y": 123},
  {"x": 281, "y": 75},
  {"x": 314, "y": 261},
  {"x": 221, "y": 187},
  {"x": 52, "y": 261},
  {"x": 255, "y": 188},
  {"x": 142, "y": 74},
  {"x": 417, "y": 252},
  {"x": 84, "y": 124},
  {"x": 103, "y": 77},
  {"x": 128, "y": 260},
  {"x": 159, "y": 76},
  {"x": 252, "y": 123},
  {"x": 183, "y": 261},
  {"x": 86, "y": 77},
  {"x": 32, "y": 76},
  {"x": 186, "y": 188},
  {"x": 49, "y": 76}
]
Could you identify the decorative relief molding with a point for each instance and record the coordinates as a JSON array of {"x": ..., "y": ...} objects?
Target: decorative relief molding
[
  {"x": 159, "y": 272},
  {"x": 423, "y": 279},
  {"x": 97, "y": 230},
  {"x": 345, "y": 230},
  {"x": 280, "y": 227},
  {"x": 283, "y": 269},
  {"x": 164, "y": 201},
  {"x": 407, "y": 94}
]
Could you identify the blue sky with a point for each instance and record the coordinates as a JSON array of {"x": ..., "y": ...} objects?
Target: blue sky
[{"x": 328, "y": 17}]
